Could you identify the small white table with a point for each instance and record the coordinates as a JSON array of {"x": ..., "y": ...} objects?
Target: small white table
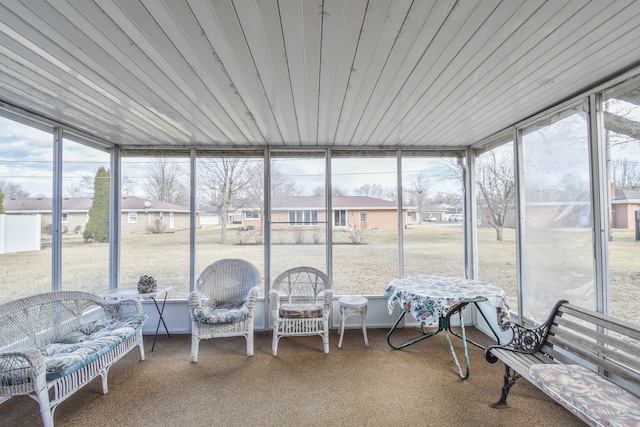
[
  {"x": 132, "y": 292},
  {"x": 353, "y": 306}
]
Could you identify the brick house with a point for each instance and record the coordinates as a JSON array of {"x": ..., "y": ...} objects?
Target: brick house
[{"x": 361, "y": 212}]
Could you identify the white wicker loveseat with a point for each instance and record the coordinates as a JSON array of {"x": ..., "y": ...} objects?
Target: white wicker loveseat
[{"x": 54, "y": 343}]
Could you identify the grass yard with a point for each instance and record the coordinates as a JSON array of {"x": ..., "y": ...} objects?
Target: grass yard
[{"x": 366, "y": 268}]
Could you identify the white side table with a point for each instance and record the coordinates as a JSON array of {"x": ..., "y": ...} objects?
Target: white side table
[
  {"x": 132, "y": 292},
  {"x": 353, "y": 306}
]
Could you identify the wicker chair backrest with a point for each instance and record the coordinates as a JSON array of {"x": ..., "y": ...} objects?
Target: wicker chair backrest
[
  {"x": 228, "y": 280},
  {"x": 302, "y": 285},
  {"x": 38, "y": 320}
]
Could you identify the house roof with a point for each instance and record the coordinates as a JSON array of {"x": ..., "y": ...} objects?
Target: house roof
[
  {"x": 338, "y": 202},
  {"x": 626, "y": 196},
  {"x": 83, "y": 204},
  {"x": 242, "y": 74}
]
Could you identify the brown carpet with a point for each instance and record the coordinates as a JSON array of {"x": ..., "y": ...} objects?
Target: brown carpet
[{"x": 351, "y": 386}]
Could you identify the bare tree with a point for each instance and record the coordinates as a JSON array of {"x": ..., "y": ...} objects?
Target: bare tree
[
  {"x": 370, "y": 190},
  {"x": 496, "y": 189},
  {"x": 164, "y": 182},
  {"x": 127, "y": 185},
  {"x": 12, "y": 190},
  {"x": 625, "y": 174},
  {"x": 225, "y": 183},
  {"x": 418, "y": 187},
  {"x": 282, "y": 185}
]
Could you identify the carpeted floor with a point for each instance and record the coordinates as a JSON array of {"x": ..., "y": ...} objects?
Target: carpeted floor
[{"x": 351, "y": 386}]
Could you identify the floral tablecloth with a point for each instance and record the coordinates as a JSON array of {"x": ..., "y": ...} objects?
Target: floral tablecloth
[{"x": 427, "y": 298}]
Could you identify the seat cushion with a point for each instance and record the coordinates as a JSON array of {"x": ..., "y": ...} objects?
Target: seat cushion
[
  {"x": 221, "y": 314},
  {"x": 300, "y": 311},
  {"x": 85, "y": 344},
  {"x": 591, "y": 397}
]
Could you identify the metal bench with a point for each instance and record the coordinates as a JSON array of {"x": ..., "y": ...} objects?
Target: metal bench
[{"x": 586, "y": 361}]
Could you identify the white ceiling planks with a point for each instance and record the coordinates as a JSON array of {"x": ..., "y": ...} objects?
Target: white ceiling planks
[
  {"x": 457, "y": 81},
  {"x": 90, "y": 46},
  {"x": 226, "y": 36},
  {"x": 260, "y": 21},
  {"x": 195, "y": 62},
  {"x": 549, "y": 67},
  {"x": 382, "y": 24},
  {"x": 302, "y": 34},
  {"x": 165, "y": 71},
  {"x": 498, "y": 74},
  {"x": 423, "y": 22},
  {"x": 341, "y": 25},
  {"x": 304, "y": 73},
  {"x": 44, "y": 78}
]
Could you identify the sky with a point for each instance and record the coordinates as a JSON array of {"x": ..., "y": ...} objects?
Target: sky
[{"x": 26, "y": 156}]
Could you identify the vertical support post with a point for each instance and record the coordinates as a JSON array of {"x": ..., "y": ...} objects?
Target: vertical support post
[
  {"x": 400, "y": 214},
  {"x": 115, "y": 175},
  {"x": 56, "y": 211},
  {"x": 600, "y": 203},
  {"x": 267, "y": 234},
  {"x": 329, "y": 216},
  {"x": 192, "y": 219}
]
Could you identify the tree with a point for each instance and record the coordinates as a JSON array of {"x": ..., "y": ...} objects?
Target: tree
[
  {"x": 1, "y": 202},
  {"x": 418, "y": 187},
  {"x": 370, "y": 190},
  {"x": 282, "y": 185},
  {"x": 496, "y": 188},
  {"x": 12, "y": 190},
  {"x": 164, "y": 183},
  {"x": 625, "y": 174},
  {"x": 224, "y": 183},
  {"x": 97, "y": 228}
]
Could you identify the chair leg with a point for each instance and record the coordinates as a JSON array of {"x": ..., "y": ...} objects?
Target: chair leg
[
  {"x": 249, "y": 337},
  {"x": 325, "y": 338},
  {"x": 274, "y": 344},
  {"x": 195, "y": 343}
]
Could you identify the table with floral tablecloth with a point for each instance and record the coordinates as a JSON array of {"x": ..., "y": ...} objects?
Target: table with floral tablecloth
[
  {"x": 431, "y": 300},
  {"x": 428, "y": 298}
]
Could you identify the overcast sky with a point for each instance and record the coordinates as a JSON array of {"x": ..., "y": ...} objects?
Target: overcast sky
[{"x": 26, "y": 158}]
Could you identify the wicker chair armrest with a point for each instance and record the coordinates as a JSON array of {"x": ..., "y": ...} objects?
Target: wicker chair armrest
[
  {"x": 25, "y": 365},
  {"x": 274, "y": 302},
  {"x": 194, "y": 299},
  {"x": 252, "y": 299},
  {"x": 328, "y": 295}
]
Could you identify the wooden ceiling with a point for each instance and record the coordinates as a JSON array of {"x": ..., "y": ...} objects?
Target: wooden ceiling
[{"x": 329, "y": 73}]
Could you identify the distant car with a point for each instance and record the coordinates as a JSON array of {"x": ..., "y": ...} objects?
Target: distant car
[
  {"x": 430, "y": 218},
  {"x": 455, "y": 217}
]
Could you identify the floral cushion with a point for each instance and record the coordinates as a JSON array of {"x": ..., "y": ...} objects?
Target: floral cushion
[
  {"x": 74, "y": 350},
  {"x": 591, "y": 397},
  {"x": 300, "y": 311},
  {"x": 221, "y": 314},
  {"x": 87, "y": 343}
]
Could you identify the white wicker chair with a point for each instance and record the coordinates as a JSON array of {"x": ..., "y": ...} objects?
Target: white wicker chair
[
  {"x": 307, "y": 307},
  {"x": 224, "y": 303}
]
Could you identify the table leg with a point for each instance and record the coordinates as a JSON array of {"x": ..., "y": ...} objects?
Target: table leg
[
  {"x": 487, "y": 322},
  {"x": 408, "y": 343},
  {"x": 160, "y": 319},
  {"x": 464, "y": 342}
]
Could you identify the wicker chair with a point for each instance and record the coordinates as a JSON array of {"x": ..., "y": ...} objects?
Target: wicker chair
[
  {"x": 224, "y": 303},
  {"x": 307, "y": 307}
]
